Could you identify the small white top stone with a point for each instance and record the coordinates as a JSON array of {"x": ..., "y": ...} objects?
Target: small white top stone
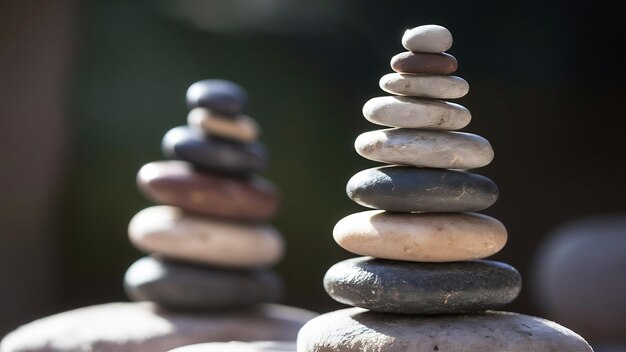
[{"x": 427, "y": 39}]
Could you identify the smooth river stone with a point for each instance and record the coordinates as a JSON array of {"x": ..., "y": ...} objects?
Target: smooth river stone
[
  {"x": 420, "y": 237},
  {"x": 241, "y": 128},
  {"x": 416, "y": 113},
  {"x": 402, "y": 287},
  {"x": 357, "y": 330},
  {"x": 212, "y": 153},
  {"x": 432, "y": 64},
  {"x": 223, "y": 97},
  {"x": 192, "y": 287},
  {"x": 145, "y": 327},
  {"x": 429, "y": 38},
  {"x": 171, "y": 232},
  {"x": 177, "y": 183},
  {"x": 408, "y": 189},
  {"x": 236, "y": 346},
  {"x": 424, "y": 86},
  {"x": 438, "y": 149}
]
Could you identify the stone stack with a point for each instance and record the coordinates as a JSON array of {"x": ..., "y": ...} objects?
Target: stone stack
[{"x": 424, "y": 285}]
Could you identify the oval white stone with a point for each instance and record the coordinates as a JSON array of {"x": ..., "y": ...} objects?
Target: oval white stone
[
  {"x": 357, "y": 330},
  {"x": 410, "y": 112},
  {"x": 439, "y": 149},
  {"x": 429, "y": 38},
  {"x": 425, "y": 86},
  {"x": 420, "y": 237},
  {"x": 175, "y": 234}
]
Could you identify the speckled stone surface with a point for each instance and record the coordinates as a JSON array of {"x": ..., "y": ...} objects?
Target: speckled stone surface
[
  {"x": 173, "y": 233},
  {"x": 236, "y": 346},
  {"x": 422, "y": 63},
  {"x": 437, "y": 149},
  {"x": 240, "y": 128},
  {"x": 177, "y": 183},
  {"x": 357, "y": 330},
  {"x": 430, "y": 38},
  {"x": 420, "y": 237},
  {"x": 409, "y": 189},
  {"x": 221, "y": 96},
  {"x": 189, "y": 287},
  {"x": 213, "y": 154},
  {"x": 416, "y": 113},
  {"x": 144, "y": 327},
  {"x": 424, "y": 86}
]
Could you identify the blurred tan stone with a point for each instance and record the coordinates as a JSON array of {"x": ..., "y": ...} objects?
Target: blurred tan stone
[{"x": 241, "y": 127}]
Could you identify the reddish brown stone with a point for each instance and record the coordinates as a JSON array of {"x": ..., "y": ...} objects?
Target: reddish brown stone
[
  {"x": 177, "y": 183},
  {"x": 434, "y": 64}
]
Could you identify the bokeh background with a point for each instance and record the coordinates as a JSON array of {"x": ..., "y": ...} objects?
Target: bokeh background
[{"x": 87, "y": 90}]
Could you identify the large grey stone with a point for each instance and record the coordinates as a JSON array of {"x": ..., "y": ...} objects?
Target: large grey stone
[
  {"x": 424, "y": 86},
  {"x": 144, "y": 327},
  {"x": 357, "y": 330}
]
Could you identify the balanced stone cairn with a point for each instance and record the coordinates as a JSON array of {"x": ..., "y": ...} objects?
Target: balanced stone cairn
[
  {"x": 207, "y": 276},
  {"x": 424, "y": 285}
]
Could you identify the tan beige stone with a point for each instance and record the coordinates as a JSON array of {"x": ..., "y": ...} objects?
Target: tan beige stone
[
  {"x": 241, "y": 127},
  {"x": 420, "y": 237},
  {"x": 425, "y": 86},
  {"x": 171, "y": 232}
]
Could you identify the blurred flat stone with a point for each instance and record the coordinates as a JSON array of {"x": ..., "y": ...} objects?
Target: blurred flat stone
[
  {"x": 438, "y": 149},
  {"x": 192, "y": 287},
  {"x": 236, "y": 346},
  {"x": 171, "y": 232},
  {"x": 213, "y": 154},
  {"x": 356, "y": 330},
  {"x": 430, "y": 38},
  {"x": 420, "y": 237},
  {"x": 221, "y": 96},
  {"x": 177, "y": 183},
  {"x": 393, "y": 286},
  {"x": 240, "y": 128},
  {"x": 409, "y": 189},
  {"x": 422, "y": 63},
  {"x": 416, "y": 113},
  {"x": 144, "y": 327},
  {"x": 424, "y": 86}
]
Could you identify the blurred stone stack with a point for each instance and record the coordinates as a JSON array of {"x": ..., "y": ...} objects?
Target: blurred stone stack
[
  {"x": 424, "y": 285},
  {"x": 207, "y": 276}
]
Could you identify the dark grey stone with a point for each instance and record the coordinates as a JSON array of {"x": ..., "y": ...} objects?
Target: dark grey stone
[
  {"x": 223, "y": 97},
  {"x": 410, "y": 189},
  {"x": 187, "y": 286},
  {"x": 212, "y": 153},
  {"x": 422, "y": 288}
]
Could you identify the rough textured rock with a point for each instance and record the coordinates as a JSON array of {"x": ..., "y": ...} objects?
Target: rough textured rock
[
  {"x": 144, "y": 327},
  {"x": 424, "y": 86},
  {"x": 422, "y": 288},
  {"x": 356, "y": 330},
  {"x": 193, "y": 287},
  {"x": 409, "y": 189},
  {"x": 429, "y": 38},
  {"x": 223, "y": 97},
  {"x": 177, "y": 183},
  {"x": 236, "y": 346},
  {"x": 212, "y": 153},
  {"x": 239, "y": 128},
  {"x": 171, "y": 232},
  {"x": 438, "y": 149},
  {"x": 420, "y": 237},
  {"x": 420, "y": 63},
  {"x": 416, "y": 113}
]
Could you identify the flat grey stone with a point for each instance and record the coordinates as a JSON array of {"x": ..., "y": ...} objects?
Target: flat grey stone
[
  {"x": 236, "y": 346},
  {"x": 424, "y": 86},
  {"x": 393, "y": 286},
  {"x": 221, "y": 96},
  {"x": 193, "y": 287},
  {"x": 410, "y": 189},
  {"x": 357, "y": 330},
  {"x": 144, "y": 327}
]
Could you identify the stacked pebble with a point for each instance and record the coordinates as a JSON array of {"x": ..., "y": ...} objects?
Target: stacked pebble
[
  {"x": 425, "y": 275},
  {"x": 208, "y": 242}
]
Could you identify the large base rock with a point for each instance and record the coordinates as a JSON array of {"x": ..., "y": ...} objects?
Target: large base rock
[
  {"x": 357, "y": 329},
  {"x": 143, "y": 327}
]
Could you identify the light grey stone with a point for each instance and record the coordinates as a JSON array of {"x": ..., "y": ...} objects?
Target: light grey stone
[
  {"x": 425, "y": 86},
  {"x": 236, "y": 346},
  {"x": 430, "y": 38}
]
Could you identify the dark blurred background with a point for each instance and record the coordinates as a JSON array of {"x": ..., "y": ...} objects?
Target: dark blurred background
[{"x": 89, "y": 88}]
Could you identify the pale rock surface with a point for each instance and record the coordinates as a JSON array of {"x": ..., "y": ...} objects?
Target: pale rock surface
[
  {"x": 429, "y": 38},
  {"x": 236, "y": 346},
  {"x": 425, "y": 86},
  {"x": 241, "y": 128}
]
